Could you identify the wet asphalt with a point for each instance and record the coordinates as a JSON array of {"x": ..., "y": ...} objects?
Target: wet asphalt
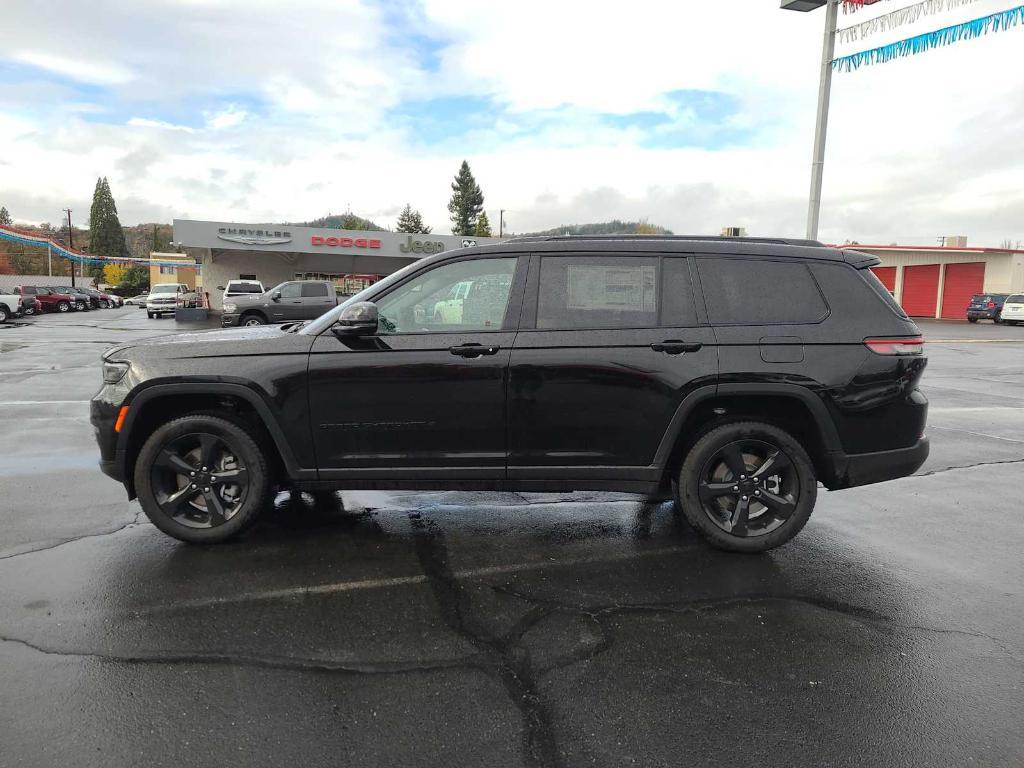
[{"x": 455, "y": 629}]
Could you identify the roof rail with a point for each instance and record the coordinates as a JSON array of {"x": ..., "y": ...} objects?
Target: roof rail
[{"x": 694, "y": 238}]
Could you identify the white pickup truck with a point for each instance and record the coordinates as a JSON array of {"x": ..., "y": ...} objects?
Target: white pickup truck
[{"x": 10, "y": 305}]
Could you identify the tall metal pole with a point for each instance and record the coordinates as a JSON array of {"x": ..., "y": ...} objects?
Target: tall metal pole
[
  {"x": 828, "y": 48},
  {"x": 49, "y": 260},
  {"x": 71, "y": 245},
  {"x": 501, "y": 222}
]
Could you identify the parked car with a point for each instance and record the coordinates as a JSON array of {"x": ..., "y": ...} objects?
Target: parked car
[
  {"x": 137, "y": 301},
  {"x": 82, "y": 300},
  {"x": 163, "y": 298},
  {"x": 30, "y": 306},
  {"x": 731, "y": 375},
  {"x": 235, "y": 288},
  {"x": 10, "y": 305},
  {"x": 50, "y": 301},
  {"x": 986, "y": 306},
  {"x": 1013, "y": 309},
  {"x": 291, "y": 300}
]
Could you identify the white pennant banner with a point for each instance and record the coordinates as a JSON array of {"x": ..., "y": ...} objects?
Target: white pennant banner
[{"x": 895, "y": 19}]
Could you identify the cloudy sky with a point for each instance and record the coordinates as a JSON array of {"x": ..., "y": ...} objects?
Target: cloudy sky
[{"x": 691, "y": 115}]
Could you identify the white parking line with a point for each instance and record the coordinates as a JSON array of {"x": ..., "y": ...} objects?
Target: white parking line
[
  {"x": 977, "y": 409},
  {"x": 44, "y": 402},
  {"x": 400, "y": 581}
]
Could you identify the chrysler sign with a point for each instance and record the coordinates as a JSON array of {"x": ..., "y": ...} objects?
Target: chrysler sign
[{"x": 254, "y": 236}]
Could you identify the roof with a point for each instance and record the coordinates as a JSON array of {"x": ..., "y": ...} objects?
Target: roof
[{"x": 637, "y": 244}]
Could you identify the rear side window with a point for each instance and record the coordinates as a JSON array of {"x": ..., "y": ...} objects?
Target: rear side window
[
  {"x": 872, "y": 279},
  {"x": 578, "y": 292},
  {"x": 759, "y": 292},
  {"x": 314, "y": 289}
]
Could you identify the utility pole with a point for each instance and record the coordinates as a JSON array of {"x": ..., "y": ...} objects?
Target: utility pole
[
  {"x": 71, "y": 245},
  {"x": 501, "y": 222},
  {"x": 49, "y": 260},
  {"x": 828, "y": 48}
]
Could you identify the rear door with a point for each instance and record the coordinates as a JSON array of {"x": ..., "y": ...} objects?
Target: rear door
[{"x": 608, "y": 347}]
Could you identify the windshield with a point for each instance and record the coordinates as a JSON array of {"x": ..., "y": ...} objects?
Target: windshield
[
  {"x": 164, "y": 289},
  {"x": 325, "y": 321},
  {"x": 1017, "y": 298}
]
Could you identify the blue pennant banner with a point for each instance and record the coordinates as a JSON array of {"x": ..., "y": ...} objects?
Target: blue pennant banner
[
  {"x": 968, "y": 30},
  {"x": 35, "y": 241}
]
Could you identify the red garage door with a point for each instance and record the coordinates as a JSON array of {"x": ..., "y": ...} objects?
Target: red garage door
[
  {"x": 920, "y": 290},
  {"x": 887, "y": 275},
  {"x": 960, "y": 283}
]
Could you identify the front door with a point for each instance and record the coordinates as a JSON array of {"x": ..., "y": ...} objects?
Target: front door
[
  {"x": 608, "y": 348},
  {"x": 427, "y": 393},
  {"x": 288, "y": 306}
]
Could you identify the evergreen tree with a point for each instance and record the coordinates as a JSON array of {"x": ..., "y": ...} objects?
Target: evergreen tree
[
  {"x": 410, "y": 220},
  {"x": 106, "y": 238},
  {"x": 466, "y": 203},
  {"x": 5, "y": 217},
  {"x": 483, "y": 226}
]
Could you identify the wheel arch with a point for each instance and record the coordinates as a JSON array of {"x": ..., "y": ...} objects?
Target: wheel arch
[
  {"x": 791, "y": 407},
  {"x": 159, "y": 403}
]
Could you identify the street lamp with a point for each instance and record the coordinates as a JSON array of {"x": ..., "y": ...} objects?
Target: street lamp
[{"x": 828, "y": 47}]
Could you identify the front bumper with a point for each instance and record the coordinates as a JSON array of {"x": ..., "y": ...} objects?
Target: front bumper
[
  {"x": 163, "y": 309},
  {"x": 227, "y": 320}
]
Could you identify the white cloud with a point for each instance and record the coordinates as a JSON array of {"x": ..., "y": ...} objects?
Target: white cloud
[
  {"x": 144, "y": 122},
  {"x": 227, "y": 118},
  {"x": 83, "y": 70}
]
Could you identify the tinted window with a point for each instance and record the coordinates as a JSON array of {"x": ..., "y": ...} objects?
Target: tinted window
[
  {"x": 291, "y": 290},
  {"x": 1017, "y": 298},
  {"x": 469, "y": 295},
  {"x": 880, "y": 289},
  {"x": 598, "y": 292},
  {"x": 314, "y": 289},
  {"x": 245, "y": 288},
  {"x": 759, "y": 292},
  {"x": 677, "y": 308}
]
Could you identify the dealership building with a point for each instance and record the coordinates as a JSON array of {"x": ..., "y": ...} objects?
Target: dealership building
[{"x": 273, "y": 253}]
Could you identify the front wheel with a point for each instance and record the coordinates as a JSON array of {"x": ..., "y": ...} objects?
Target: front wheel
[
  {"x": 81, "y": 306},
  {"x": 253, "y": 320},
  {"x": 202, "y": 479},
  {"x": 63, "y": 306},
  {"x": 747, "y": 486},
  {"x": 3, "y": 315}
]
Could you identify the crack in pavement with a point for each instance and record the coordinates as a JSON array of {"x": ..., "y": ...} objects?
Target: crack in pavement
[
  {"x": 941, "y": 470},
  {"x": 297, "y": 663},
  {"x": 72, "y": 539},
  {"x": 509, "y": 660}
]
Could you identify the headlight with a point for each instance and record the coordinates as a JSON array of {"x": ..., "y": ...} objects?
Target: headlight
[
  {"x": 114, "y": 372},
  {"x": 231, "y": 308}
]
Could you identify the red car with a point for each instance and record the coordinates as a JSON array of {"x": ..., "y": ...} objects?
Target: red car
[{"x": 50, "y": 300}]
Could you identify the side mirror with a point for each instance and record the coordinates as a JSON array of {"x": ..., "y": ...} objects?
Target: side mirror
[
  {"x": 359, "y": 319},
  {"x": 276, "y": 296}
]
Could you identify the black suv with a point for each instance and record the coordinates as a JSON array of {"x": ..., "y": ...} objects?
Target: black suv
[{"x": 732, "y": 375}]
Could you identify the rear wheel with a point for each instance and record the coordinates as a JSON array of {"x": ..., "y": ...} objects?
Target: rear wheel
[
  {"x": 202, "y": 479},
  {"x": 81, "y": 306},
  {"x": 63, "y": 306},
  {"x": 3, "y": 315},
  {"x": 747, "y": 486}
]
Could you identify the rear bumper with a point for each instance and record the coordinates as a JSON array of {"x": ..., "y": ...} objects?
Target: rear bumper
[
  {"x": 866, "y": 468},
  {"x": 982, "y": 314}
]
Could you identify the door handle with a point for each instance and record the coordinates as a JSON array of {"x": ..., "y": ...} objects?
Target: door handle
[
  {"x": 676, "y": 347},
  {"x": 472, "y": 349}
]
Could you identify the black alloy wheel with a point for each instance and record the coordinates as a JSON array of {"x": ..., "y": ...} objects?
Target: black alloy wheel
[
  {"x": 747, "y": 486},
  {"x": 202, "y": 478}
]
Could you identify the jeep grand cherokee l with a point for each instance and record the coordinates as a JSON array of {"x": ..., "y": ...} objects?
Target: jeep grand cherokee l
[{"x": 732, "y": 375}]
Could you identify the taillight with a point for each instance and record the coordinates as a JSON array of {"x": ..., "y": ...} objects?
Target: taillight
[
  {"x": 907, "y": 345},
  {"x": 991, "y": 305}
]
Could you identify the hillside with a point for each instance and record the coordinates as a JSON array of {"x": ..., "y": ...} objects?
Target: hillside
[
  {"x": 613, "y": 227},
  {"x": 340, "y": 221}
]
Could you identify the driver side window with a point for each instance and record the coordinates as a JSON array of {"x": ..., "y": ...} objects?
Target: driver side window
[
  {"x": 291, "y": 290},
  {"x": 469, "y": 295}
]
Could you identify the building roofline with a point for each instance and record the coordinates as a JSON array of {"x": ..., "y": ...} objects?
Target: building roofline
[{"x": 939, "y": 248}]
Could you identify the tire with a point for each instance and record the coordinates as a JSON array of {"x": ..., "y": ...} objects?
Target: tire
[
  {"x": 63, "y": 306},
  {"x": 3, "y": 314},
  {"x": 149, "y": 315},
  {"x": 972, "y": 319},
  {"x": 80, "y": 306},
  {"x": 793, "y": 488},
  {"x": 188, "y": 444},
  {"x": 252, "y": 318},
  {"x": 998, "y": 319}
]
